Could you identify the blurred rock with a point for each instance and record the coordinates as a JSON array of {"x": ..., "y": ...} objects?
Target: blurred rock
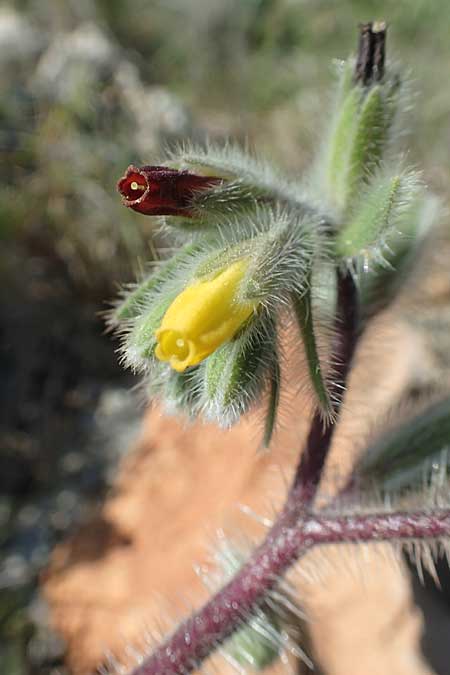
[
  {"x": 19, "y": 41},
  {"x": 78, "y": 66},
  {"x": 84, "y": 53},
  {"x": 159, "y": 115},
  {"x": 78, "y": 476}
]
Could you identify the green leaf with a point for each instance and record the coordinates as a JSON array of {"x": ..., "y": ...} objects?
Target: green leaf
[
  {"x": 250, "y": 647},
  {"x": 139, "y": 344},
  {"x": 405, "y": 456}
]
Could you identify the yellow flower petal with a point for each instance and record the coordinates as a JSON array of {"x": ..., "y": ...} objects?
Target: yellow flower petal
[{"x": 202, "y": 317}]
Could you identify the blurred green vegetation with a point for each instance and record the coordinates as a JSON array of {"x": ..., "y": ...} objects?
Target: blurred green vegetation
[
  {"x": 103, "y": 74},
  {"x": 91, "y": 86}
]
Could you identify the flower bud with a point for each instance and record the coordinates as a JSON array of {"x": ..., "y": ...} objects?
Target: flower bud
[
  {"x": 206, "y": 314},
  {"x": 161, "y": 191},
  {"x": 363, "y": 124}
]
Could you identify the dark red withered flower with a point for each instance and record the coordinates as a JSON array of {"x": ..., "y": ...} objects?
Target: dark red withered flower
[{"x": 160, "y": 191}]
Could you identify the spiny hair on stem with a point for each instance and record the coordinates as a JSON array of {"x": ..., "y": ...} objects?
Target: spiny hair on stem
[{"x": 274, "y": 631}]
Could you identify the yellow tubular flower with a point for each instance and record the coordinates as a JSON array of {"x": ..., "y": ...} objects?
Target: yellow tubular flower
[{"x": 202, "y": 317}]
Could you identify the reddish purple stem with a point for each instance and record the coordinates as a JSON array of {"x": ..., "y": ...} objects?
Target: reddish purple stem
[{"x": 200, "y": 634}]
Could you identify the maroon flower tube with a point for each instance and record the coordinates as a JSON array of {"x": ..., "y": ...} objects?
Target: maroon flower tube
[{"x": 160, "y": 191}]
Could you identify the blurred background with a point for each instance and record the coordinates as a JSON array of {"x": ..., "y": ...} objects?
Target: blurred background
[{"x": 87, "y": 87}]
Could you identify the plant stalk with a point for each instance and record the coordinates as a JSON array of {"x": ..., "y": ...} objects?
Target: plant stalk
[{"x": 199, "y": 635}]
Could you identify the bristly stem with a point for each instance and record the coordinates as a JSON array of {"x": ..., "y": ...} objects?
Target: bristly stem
[{"x": 197, "y": 637}]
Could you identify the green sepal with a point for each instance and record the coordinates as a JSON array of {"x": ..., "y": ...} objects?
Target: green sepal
[
  {"x": 273, "y": 402},
  {"x": 180, "y": 392},
  {"x": 225, "y": 200},
  {"x": 378, "y": 215},
  {"x": 139, "y": 344},
  {"x": 369, "y": 142},
  {"x": 247, "y": 184},
  {"x": 200, "y": 165},
  {"x": 346, "y": 82},
  {"x": 340, "y": 142},
  {"x": 234, "y": 375},
  {"x": 406, "y": 456},
  {"x": 219, "y": 260},
  {"x": 303, "y": 311},
  {"x": 380, "y": 284},
  {"x": 177, "y": 392},
  {"x": 137, "y": 299}
]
